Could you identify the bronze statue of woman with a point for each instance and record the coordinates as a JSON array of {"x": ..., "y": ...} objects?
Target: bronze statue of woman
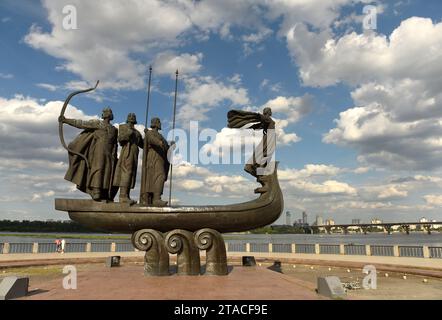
[{"x": 260, "y": 164}]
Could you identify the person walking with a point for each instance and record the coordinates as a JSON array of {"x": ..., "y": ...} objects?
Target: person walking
[
  {"x": 57, "y": 245},
  {"x": 63, "y": 245}
]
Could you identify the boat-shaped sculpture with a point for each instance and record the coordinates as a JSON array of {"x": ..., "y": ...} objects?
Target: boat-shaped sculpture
[
  {"x": 124, "y": 218},
  {"x": 157, "y": 229}
]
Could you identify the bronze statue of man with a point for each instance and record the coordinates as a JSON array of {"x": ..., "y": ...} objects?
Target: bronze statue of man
[
  {"x": 157, "y": 164},
  {"x": 98, "y": 143},
  {"x": 257, "y": 165},
  {"x": 130, "y": 140}
]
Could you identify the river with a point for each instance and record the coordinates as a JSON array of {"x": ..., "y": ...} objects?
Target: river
[{"x": 418, "y": 239}]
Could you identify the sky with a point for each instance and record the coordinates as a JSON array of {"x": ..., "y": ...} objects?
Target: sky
[{"x": 354, "y": 85}]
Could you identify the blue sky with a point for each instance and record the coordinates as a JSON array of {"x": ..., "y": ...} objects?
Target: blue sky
[{"x": 358, "y": 110}]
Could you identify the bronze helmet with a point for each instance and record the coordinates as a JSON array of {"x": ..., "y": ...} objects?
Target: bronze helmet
[
  {"x": 131, "y": 118},
  {"x": 107, "y": 112},
  {"x": 155, "y": 123}
]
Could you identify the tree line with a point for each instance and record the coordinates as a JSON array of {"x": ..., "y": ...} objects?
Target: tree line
[
  {"x": 281, "y": 229},
  {"x": 43, "y": 226}
]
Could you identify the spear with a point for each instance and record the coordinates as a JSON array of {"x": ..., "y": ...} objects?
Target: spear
[
  {"x": 148, "y": 96},
  {"x": 173, "y": 135},
  {"x": 143, "y": 195}
]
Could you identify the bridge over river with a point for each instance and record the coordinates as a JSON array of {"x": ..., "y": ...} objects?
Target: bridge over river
[{"x": 387, "y": 226}]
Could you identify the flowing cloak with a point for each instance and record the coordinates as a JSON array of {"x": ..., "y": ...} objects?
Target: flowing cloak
[
  {"x": 264, "y": 151},
  {"x": 126, "y": 171},
  {"x": 98, "y": 142},
  {"x": 156, "y": 161},
  {"x": 238, "y": 118}
]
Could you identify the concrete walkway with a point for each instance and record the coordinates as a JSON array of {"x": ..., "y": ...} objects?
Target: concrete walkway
[
  {"x": 394, "y": 261},
  {"x": 41, "y": 259},
  {"x": 416, "y": 266},
  {"x": 128, "y": 283},
  {"x": 420, "y": 266}
]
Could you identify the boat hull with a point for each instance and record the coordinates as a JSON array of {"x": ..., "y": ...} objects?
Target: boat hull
[{"x": 119, "y": 217}]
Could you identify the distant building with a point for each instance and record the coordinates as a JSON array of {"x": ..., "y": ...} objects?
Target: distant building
[
  {"x": 376, "y": 221},
  {"x": 423, "y": 220},
  {"x": 319, "y": 221},
  {"x": 356, "y": 221},
  {"x": 288, "y": 218},
  {"x": 330, "y": 222},
  {"x": 304, "y": 217}
]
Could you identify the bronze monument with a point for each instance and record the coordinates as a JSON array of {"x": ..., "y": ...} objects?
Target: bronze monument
[
  {"x": 157, "y": 165},
  {"x": 126, "y": 172},
  {"x": 261, "y": 163},
  {"x": 92, "y": 154},
  {"x": 157, "y": 229}
]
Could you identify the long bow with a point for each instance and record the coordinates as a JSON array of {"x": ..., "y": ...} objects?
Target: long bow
[{"x": 60, "y": 123}]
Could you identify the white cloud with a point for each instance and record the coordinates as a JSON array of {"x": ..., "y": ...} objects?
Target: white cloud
[
  {"x": 329, "y": 187},
  {"x": 360, "y": 205},
  {"x": 282, "y": 137},
  {"x": 28, "y": 130},
  {"x": 185, "y": 170},
  {"x": 384, "y": 192},
  {"x": 318, "y": 13},
  {"x": 166, "y": 63},
  {"x": 413, "y": 50},
  {"x": 398, "y": 119},
  {"x": 196, "y": 180},
  {"x": 386, "y": 142},
  {"x": 205, "y": 93},
  {"x": 257, "y": 37},
  {"x": 434, "y": 200},
  {"x": 233, "y": 185},
  {"x": 264, "y": 83},
  {"x": 219, "y": 16},
  {"x": 251, "y": 41},
  {"x": 32, "y": 161},
  {"x": 190, "y": 184},
  {"x": 6, "y": 76},
  {"x": 361, "y": 170},
  {"x": 239, "y": 143},
  {"x": 39, "y": 196},
  {"x": 315, "y": 180},
  {"x": 47, "y": 86},
  {"x": 232, "y": 145},
  {"x": 328, "y": 190},
  {"x": 95, "y": 51},
  {"x": 293, "y": 107},
  {"x": 273, "y": 87},
  {"x": 392, "y": 192}
]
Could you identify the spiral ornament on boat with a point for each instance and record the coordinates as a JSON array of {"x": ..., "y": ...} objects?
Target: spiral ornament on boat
[
  {"x": 216, "y": 258},
  {"x": 156, "y": 259},
  {"x": 182, "y": 243}
]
